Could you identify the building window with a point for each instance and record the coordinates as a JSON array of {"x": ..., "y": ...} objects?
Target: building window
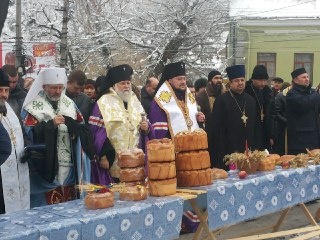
[
  {"x": 304, "y": 60},
  {"x": 269, "y": 61}
]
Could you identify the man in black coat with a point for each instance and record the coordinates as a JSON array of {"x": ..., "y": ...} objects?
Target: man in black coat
[
  {"x": 258, "y": 89},
  {"x": 233, "y": 119},
  {"x": 302, "y": 114}
]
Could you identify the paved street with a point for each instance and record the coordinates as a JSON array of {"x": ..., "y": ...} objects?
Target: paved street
[{"x": 294, "y": 219}]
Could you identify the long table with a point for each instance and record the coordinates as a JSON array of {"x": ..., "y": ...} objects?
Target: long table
[
  {"x": 235, "y": 200},
  {"x": 153, "y": 218}
]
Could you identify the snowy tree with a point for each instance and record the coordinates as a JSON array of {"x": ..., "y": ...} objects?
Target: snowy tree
[{"x": 144, "y": 33}]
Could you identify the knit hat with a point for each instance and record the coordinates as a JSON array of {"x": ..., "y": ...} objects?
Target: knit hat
[
  {"x": 4, "y": 79},
  {"x": 235, "y": 71},
  {"x": 298, "y": 72},
  {"x": 212, "y": 74},
  {"x": 259, "y": 73}
]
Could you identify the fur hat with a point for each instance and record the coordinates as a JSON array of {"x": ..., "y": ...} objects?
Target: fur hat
[
  {"x": 259, "y": 73},
  {"x": 235, "y": 71},
  {"x": 298, "y": 72}
]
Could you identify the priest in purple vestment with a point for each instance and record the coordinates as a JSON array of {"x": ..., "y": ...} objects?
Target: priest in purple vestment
[
  {"x": 117, "y": 122},
  {"x": 174, "y": 107}
]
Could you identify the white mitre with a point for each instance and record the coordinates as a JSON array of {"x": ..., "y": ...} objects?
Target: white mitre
[{"x": 46, "y": 76}]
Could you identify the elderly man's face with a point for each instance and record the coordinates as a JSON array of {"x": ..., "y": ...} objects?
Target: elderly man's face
[
  {"x": 179, "y": 83},
  {"x": 302, "y": 79},
  {"x": 123, "y": 89},
  {"x": 53, "y": 91},
  {"x": 4, "y": 93}
]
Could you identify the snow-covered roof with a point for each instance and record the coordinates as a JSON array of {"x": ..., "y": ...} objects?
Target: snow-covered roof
[{"x": 274, "y": 8}]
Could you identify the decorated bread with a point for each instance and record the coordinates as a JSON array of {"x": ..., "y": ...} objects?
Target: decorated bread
[
  {"x": 284, "y": 158},
  {"x": 194, "y": 178},
  {"x": 99, "y": 200},
  {"x": 189, "y": 141},
  {"x": 133, "y": 193},
  {"x": 160, "y": 150},
  {"x": 164, "y": 170},
  {"x": 268, "y": 163},
  {"x": 163, "y": 187},
  {"x": 132, "y": 174},
  {"x": 218, "y": 173},
  {"x": 131, "y": 158},
  {"x": 193, "y": 160}
]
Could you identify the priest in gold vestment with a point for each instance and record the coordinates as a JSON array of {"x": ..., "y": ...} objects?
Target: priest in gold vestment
[{"x": 117, "y": 122}]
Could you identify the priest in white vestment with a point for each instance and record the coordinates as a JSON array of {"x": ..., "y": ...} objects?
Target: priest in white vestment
[{"x": 14, "y": 178}]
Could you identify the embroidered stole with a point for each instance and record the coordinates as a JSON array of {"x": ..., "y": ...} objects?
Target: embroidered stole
[
  {"x": 15, "y": 175},
  {"x": 178, "y": 118},
  {"x": 42, "y": 110}
]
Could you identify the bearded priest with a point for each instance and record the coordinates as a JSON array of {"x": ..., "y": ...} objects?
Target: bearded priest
[{"x": 117, "y": 122}]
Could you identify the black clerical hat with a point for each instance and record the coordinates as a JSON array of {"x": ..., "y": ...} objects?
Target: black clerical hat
[
  {"x": 4, "y": 79},
  {"x": 212, "y": 74},
  {"x": 235, "y": 71},
  {"x": 298, "y": 72},
  {"x": 260, "y": 72}
]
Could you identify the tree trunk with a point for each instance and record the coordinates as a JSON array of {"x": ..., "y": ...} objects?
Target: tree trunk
[
  {"x": 4, "y": 5},
  {"x": 64, "y": 35}
]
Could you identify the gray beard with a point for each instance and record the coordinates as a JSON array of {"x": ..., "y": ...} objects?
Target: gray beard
[
  {"x": 53, "y": 99},
  {"x": 125, "y": 96}
]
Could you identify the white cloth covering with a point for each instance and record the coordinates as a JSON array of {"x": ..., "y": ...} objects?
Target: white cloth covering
[{"x": 46, "y": 76}]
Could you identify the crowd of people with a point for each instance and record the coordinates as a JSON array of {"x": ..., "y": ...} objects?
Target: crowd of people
[{"x": 59, "y": 131}]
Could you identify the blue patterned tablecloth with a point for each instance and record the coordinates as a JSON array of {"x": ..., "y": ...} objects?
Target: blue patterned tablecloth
[
  {"x": 153, "y": 218},
  {"x": 235, "y": 200}
]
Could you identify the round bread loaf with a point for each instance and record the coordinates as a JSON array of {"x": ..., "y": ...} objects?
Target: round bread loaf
[
  {"x": 160, "y": 150},
  {"x": 194, "y": 178},
  {"x": 99, "y": 200},
  {"x": 160, "y": 171},
  {"x": 163, "y": 187},
  {"x": 218, "y": 173},
  {"x": 189, "y": 141},
  {"x": 131, "y": 158},
  {"x": 133, "y": 193},
  {"x": 132, "y": 174},
  {"x": 193, "y": 160},
  {"x": 268, "y": 163},
  {"x": 284, "y": 158}
]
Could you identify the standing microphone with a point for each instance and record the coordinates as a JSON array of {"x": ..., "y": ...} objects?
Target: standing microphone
[{"x": 202, "y": 125}]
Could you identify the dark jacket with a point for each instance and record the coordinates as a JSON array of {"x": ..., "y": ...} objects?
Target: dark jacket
[
  {"x": 146, "y": 100},
  {"x": 5, "y": 144},
  {"x": 84, "y": 104},
  {"x": 229, "y": 133},
  {"x": 302, "y": 119},
  {"x": 262, "y": 99},
  {"x": 16, "y": 99}
]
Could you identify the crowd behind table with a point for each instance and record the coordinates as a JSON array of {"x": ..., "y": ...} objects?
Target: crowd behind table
[{"x": 73, "y": 128}]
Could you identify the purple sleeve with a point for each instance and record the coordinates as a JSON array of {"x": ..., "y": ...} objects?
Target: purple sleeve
[
  {"x": 158, "y": 120},
  {"x": 97, "y": 129}
]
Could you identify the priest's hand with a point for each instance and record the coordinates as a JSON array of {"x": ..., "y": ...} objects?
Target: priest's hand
[
  {"x": 200, "y": 117},
  {"x": 104, "y": 163},
  {"x": 144, "y": 126},
  {"x": 57, "y": 120}
]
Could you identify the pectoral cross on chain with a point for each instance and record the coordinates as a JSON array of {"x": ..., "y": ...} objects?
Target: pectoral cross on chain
[
  {"x": 244, "y": 119},
  {"x": 261, "y": 116}
]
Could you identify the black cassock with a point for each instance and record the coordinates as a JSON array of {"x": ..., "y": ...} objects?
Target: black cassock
[{"x": 228, "y": 129}]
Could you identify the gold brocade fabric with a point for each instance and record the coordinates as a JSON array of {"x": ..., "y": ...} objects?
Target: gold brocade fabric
[
  {"x": 211, "y": 102},
  {"x": 122, "y": 125}
]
